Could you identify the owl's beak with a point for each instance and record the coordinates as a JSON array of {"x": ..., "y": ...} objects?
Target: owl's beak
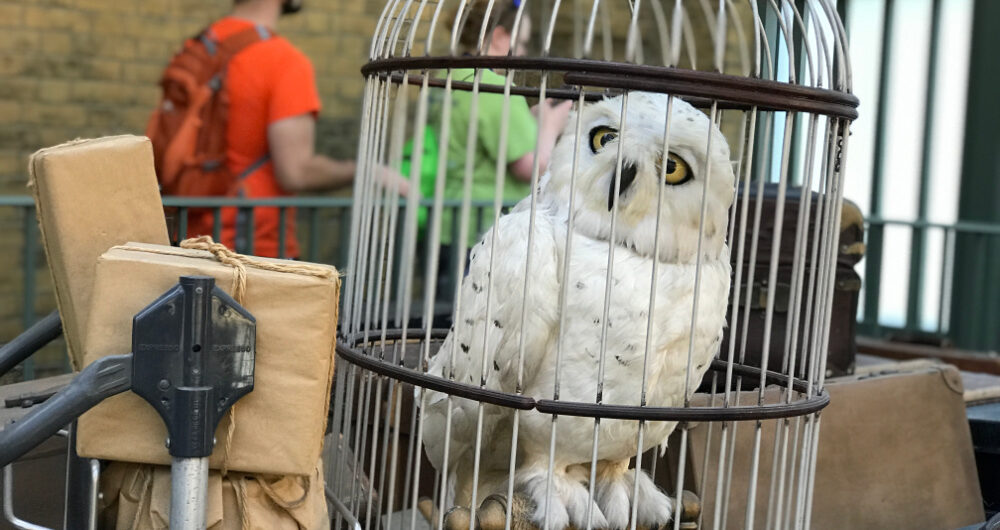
[{"x": 628, "y": 176}]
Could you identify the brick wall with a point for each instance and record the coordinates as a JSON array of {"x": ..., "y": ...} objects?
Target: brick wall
[
  {"x": 87, "y": 68},
  {"x": 72, "y": 68}
]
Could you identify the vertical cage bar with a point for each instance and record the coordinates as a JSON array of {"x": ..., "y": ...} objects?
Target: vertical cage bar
[
  {"x": 405, "y": 295},
  {"x": 354, "y": 245},
  {"x": 371, "y": 223}
]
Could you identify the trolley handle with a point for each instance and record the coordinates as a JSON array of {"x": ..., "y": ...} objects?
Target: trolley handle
[
  {"x": 102, "y": 379},
  {"x": 30, "y": 341}
]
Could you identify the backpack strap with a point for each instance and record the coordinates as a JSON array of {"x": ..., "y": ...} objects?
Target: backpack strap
[
  {"x": 210, "y": 43},
  {"x": 222, "y": 51},
  {"x": 238, "y": 41},
  {"x": 254, "y": 166}
]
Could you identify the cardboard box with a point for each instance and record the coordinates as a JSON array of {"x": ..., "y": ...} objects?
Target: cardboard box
[
  {"x": 279, "y": 426},
  {"x": 92, "y": 195},
  {"x": 894, "y": 452}
]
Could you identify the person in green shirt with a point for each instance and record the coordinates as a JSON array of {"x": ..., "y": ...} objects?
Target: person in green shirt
[
  {"x": 524, "y": 131},
  {"x": 527, "y": 138}
]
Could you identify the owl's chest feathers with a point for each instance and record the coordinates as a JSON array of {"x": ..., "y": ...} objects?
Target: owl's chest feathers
[{"x": 621, "y": 331}]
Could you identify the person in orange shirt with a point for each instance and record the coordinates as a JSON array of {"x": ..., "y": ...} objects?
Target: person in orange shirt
[{"x": 270, "y": 134}]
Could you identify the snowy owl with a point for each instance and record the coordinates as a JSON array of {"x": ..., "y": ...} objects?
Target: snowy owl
[{"x": 483, "y": 346}]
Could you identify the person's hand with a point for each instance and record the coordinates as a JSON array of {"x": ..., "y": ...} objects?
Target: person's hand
[
  {"x": 556, "y": 113},
  {"x": 534, "y": 108},
  {"x": 392, "y": 179},
  {"x": 551, "y": 115},
  {"x": 559, "y": 113}
]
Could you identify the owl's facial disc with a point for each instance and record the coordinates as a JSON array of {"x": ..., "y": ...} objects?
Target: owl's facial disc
[{"x": 629, "y": 170}]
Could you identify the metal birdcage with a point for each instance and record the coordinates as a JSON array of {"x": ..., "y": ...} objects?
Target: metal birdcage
[{"x": 561, "y": 358}]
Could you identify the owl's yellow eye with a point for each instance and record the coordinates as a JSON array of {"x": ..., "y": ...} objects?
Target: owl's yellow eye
[
  {"x": 678, "y": 171},
  {"x": 600, "y": 136}
]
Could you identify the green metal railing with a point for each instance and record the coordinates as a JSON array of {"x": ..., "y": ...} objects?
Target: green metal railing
[
  {"x": 29, "y": 266},
  {"x": 310, "y": 215},
  {"x": 980, "y": 236},
  {"x": 324, "y": 227},
  {"x": 968, "y": 301}
]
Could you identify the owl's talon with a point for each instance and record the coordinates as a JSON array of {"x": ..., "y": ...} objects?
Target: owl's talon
[
  {"x": 568, "y": 504},
  {"x": 614, "y": 495},
  {"x": 458, "y": 518}
]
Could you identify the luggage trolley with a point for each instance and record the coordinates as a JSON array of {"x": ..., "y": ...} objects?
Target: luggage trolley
[{"x": 193, "y": 352}]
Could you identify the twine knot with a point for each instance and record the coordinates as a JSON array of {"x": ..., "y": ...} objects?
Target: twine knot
[{"x": 225, "y": 256}]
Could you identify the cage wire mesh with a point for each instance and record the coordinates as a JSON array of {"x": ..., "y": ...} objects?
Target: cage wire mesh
[{"x": 566, "y": 361}]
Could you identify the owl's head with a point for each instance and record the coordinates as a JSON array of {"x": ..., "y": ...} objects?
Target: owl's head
[{"x": 687, "y": 170}]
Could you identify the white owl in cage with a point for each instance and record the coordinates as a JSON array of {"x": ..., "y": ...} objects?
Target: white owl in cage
[{"x": 491, "y": 336}]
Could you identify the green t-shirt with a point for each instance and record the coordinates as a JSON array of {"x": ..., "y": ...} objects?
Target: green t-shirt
[{"x": 521, "y": 139}]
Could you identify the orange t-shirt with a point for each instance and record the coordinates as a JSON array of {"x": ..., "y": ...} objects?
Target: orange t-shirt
[{"x": 268, "y": 81}]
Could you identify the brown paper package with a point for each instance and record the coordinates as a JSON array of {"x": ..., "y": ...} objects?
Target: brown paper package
[
  {"x": 137, "y": 496},
  {"x": 90, "y": 196},
  {"x": 279, "y": 426}
]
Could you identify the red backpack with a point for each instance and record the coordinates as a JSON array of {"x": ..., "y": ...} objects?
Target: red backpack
[{"x": 188, "y": 128}]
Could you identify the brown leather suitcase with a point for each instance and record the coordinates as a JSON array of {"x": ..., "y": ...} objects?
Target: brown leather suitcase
[
  {"x": 895, "y": 451},
  {"x": 842, "y": 348}
]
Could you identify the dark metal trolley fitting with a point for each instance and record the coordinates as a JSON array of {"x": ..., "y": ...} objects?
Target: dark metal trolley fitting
[
  {"x": 213, "y": 338},
  {"x": 192, "y": 357}
]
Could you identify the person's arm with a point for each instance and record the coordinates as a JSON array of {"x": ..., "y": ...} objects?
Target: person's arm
[
  {"x": 296, "y": 164},
  {"x": 555, "y": 119}
]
